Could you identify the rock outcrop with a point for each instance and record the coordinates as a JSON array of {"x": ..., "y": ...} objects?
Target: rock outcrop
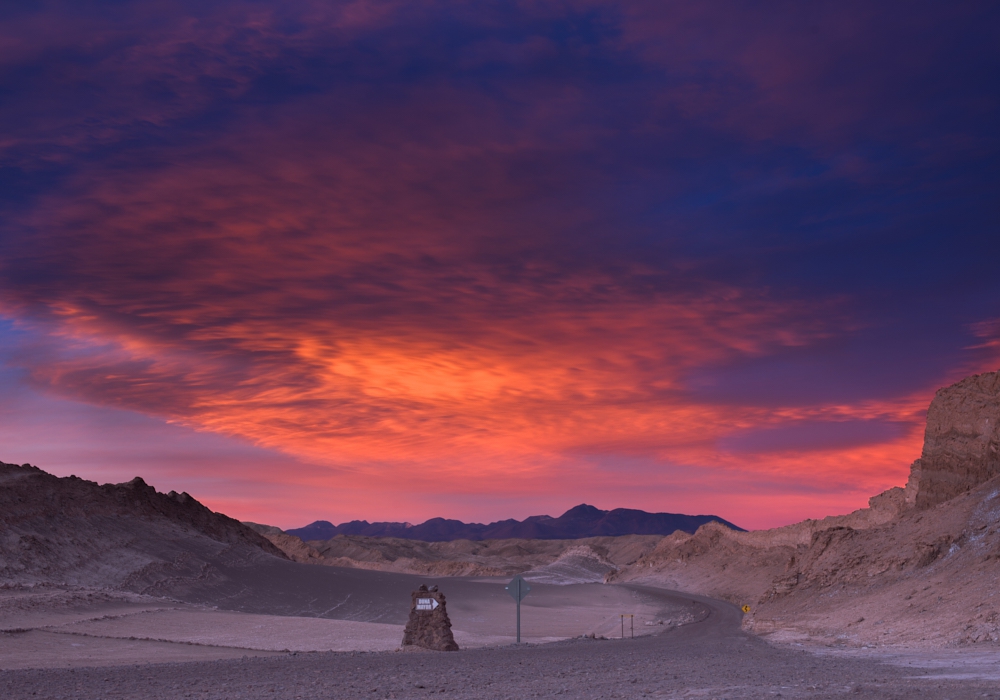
[
  {"x": 429, "y": 626},
  {"x": 961, "y": 442}
]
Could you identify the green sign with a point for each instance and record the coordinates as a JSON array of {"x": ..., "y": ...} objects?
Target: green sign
[{"x": 518, "y": 588}]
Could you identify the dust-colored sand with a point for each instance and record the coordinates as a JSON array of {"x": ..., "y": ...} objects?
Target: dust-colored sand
[
  {"x": 90, "y": 645},
  {"x": 39, "y": 649},
  {"x": 711, "y": 657},
  {"x": 55, "y": 628}
]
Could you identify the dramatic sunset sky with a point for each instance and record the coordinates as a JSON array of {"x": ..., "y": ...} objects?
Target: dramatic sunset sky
[{"x": 403, "y": 259}]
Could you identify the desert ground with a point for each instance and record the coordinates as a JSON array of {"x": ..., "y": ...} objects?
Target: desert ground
[
  {"x": 340, "y": 611},
  {"x": 72, "y": 646}
]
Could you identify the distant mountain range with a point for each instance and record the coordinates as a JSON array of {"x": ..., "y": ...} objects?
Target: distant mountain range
[{"x": 576, "y": 523}]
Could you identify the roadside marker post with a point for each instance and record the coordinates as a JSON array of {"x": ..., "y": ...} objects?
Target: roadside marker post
[
  {"x": 518, "y": 589},
  {"x": 631, "y": 625}
]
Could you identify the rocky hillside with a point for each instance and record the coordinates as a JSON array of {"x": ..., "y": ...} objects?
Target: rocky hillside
[
  {"x": 468, "y": 557},
  {"x": 68, "y": 531},
  {"x": 742, "y": 566},
  {"x": 927, "y": 578}
]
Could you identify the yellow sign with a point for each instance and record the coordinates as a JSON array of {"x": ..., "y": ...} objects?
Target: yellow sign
[{"x": 745, "y": 608}]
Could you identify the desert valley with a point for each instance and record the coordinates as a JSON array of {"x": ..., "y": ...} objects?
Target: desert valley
[{"x": 122, "y": 591}]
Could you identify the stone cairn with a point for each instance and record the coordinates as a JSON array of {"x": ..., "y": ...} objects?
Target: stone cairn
[{"x": 429, "y": 626}]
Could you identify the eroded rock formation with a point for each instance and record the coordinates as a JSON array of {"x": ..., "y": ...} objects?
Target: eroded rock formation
[{"x": 961, "y": 442}]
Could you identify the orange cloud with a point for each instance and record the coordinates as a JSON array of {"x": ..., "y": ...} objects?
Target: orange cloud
[{"x": 314, "y": 307}]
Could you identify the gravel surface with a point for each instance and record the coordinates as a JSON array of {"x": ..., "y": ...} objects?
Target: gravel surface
[{"x": 710, "y": 658}]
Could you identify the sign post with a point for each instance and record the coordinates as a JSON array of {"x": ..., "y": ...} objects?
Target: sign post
[
  {"x": 518, "y": 589},
  {"x": 631, "y": 623}
]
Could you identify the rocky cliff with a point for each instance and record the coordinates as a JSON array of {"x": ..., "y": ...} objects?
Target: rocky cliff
[{"x": 961, "y": 442}]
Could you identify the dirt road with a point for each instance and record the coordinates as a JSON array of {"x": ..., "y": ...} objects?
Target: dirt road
[{"x": 709, "y": 658}]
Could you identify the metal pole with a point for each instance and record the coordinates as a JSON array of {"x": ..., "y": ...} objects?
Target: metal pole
[
  {"x": 623, "y": 625},
  {"x": 519, "y": 610},
  {"x": 631, "y": 625}
]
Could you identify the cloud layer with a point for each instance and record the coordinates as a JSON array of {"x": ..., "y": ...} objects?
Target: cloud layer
[{"x": 713, "y": 258}]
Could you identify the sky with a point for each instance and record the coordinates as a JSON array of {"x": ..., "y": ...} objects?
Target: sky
[{"x": 404, "y": 259}]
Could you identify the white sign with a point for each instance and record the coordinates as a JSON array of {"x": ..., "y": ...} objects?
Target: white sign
[{"x": 426, "y": 604}]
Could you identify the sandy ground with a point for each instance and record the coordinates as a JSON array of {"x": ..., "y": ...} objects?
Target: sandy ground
[
  {"x": 39, "y": 649},
  {"x": 87, "y": 644},
  {"x": 960, "y": 664},
  {"x": 710, "y": 657},
  {"x": 60, "y": 628}
]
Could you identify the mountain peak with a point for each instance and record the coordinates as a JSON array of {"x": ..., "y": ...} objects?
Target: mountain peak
[{"x": 584, "y": 512}]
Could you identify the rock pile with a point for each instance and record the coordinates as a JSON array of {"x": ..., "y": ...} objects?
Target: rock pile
[{"x": 429, "y": 626}]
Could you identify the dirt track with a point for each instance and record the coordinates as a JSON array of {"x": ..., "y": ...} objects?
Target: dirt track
[{"x": 711, "y": 658}]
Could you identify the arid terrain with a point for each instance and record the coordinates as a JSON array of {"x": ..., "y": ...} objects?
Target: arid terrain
[
  {"x": 915, "y": 569},
  {"x": 710, "y": 657},
  {"x": 121, "y": 591}
]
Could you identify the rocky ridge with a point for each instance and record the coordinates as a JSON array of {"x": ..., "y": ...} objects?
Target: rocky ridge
[
  {"x": 579, "y": 522},
  {"x": 69, "y": 531}
]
